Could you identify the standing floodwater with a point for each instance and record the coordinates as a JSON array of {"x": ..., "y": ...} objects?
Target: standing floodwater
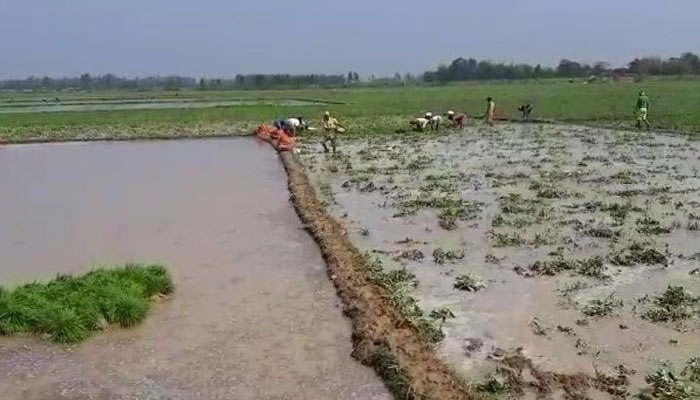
[{"x": 254, "y": 315}]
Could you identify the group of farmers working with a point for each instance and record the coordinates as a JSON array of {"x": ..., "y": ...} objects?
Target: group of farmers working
[{"x": 284, "y": 130}]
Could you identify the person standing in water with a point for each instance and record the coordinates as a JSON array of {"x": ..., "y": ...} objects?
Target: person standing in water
[
  {"x": 332, "y": 128},
  {"x": 490, "y": 110},
  {"x": 641, "y": 110}
]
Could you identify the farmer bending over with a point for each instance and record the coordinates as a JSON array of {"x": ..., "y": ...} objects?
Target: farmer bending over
[
  {"x": 419, "y": 124},
  {"x": 435, "y": 122},
  {"x": 642, "y": 109},
  {"x": 291, "y": 125},
  {"x": 332, "y": 127},
  {"x": 457, "y": 120},
  {"x": 525, "y": 109}
]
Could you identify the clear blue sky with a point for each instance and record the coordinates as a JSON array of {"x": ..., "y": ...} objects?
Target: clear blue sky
[{"x": 224, "y": 37}]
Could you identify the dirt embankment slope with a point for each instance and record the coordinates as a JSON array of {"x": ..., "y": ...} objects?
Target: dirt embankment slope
[{"x": 382, "y": 338}]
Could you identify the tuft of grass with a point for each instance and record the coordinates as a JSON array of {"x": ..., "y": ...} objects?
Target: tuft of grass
[
  {"x": 505, "y": 239},
  {"x": 396, "y": 286},
  {"x": 442, "y": 314},
  {"x": 675, "y": 304},
  {"x": 498, "y": 385},
  {"x": 411, "y": 255},
  {"x": 604, "y": 307},
  {"x": 665, "y": 384},
  {"x": 637, "y": 253},
  {"x": 441, "y": 256},
  {"x": 692, "y": 369},
  {"x": 396, "y": 379},
  {"x": 650, "y": 226},
  {"x": 593, "y": 267},
  {"x": 469, "y": 283},
  {"x": 618, "y": 211},
  {"x": 68, "y": 309}
]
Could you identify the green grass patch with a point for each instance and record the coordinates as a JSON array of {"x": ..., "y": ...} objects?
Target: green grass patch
[
  {"x": 68, "y": 309},
  {"x": 397, "y": 286},
  {"x": 366, "y": 110}
]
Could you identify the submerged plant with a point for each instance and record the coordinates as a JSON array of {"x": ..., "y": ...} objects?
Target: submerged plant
[
  {"x": 650, "y": 226},
  {"x": 674, "y": 304},
  {"x": 469, "y": 282},
  {"x": 442, "y": 314},
  {"x": 441, "y": 256},
  {"x": 667, "y": 385},
  {"x": 637, "y": 253},
  {"x": 601, "y": 308},
  {"x": 593, "y": 267}
]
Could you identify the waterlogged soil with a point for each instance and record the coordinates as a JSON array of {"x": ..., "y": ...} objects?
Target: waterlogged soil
[
  {"x": 566, "y": 236},
  {"x": 254, "y": 315},
  {"x": 33, "y": 107}
]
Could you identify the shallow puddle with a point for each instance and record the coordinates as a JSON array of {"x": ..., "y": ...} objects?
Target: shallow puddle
[{"x": 34, "y": 107}]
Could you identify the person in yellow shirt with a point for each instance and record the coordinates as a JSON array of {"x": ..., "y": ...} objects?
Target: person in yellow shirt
[
  {"x": 490, "y": 110},
  {"x": 332, "y": 128}
]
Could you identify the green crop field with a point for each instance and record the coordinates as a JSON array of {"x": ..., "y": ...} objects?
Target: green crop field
[{"x": 675, "y": 106}]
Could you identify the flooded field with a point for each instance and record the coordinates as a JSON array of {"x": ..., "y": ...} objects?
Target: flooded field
[
  {"x": 254, "y": 315},
  {"x": 559, "y": 261},
  {"x": 34, "y": 107}
]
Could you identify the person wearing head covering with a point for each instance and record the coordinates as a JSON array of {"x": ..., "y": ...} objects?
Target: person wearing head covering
[
  {"x": 490, "y": 110},
  {"x": 419, "y": 124},
  {"x": 332, "y": 128},
  {"x": 435, "y": 122},
  {"x": 291, "y": 125},
  {"x": 641, "y": 110},
  {"x": 457, "y": 120}
]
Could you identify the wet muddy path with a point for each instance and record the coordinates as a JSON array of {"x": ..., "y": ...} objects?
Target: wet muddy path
[
  {"x": 575, "y": 248},
  {"x": 254, "y": 315}
]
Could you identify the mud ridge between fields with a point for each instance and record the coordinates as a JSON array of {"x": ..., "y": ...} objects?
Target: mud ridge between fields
[{"x": 382, "y": 339}]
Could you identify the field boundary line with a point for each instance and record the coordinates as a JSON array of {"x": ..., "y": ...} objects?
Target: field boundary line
[{"x": 382, "y": 338}]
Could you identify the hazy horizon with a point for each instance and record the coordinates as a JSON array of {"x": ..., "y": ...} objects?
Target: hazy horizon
[{"x": 217, "y": 38}]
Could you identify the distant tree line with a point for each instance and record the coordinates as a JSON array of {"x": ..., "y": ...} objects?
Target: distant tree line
[
  {"x": 107, "y": 81},
  {"x": 110, "y": 81},
  {"x": 687, "y": 63},
  {"x": 462, "y": 69}
]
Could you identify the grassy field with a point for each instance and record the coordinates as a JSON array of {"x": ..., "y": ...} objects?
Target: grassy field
[
  {"x": 675, "y": 106},
  {"x": 68, "y": 309}
]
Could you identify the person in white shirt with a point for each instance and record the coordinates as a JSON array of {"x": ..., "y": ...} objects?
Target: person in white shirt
[
  {"x": 435, "y": 122},
  {"x": 291, "y": 125},
  {"x": 419, "y": 124}
]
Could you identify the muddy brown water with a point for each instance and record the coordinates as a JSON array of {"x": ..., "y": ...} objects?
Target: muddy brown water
[
  {"x": 254, "y": 315},
  {"x": 509, "y": 159}
]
